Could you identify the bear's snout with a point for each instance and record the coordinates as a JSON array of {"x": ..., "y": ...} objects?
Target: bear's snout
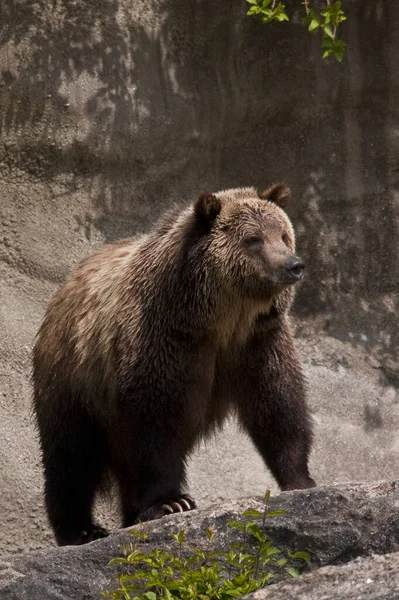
[{"x": 295, "y": 267}]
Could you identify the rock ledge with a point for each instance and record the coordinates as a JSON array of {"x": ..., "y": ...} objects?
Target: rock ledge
[{"x": 347, "y": 529}]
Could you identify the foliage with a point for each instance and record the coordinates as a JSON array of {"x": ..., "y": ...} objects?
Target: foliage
[
  {"x": 205, "y": 573},
  {"x": 326, "y": 20}
]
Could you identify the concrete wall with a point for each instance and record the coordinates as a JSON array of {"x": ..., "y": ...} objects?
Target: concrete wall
[{"x": 110, "y": 110}]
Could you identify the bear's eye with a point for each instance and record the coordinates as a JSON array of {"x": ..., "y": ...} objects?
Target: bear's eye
[
  {"x": 253, "y": 242},
  {"x": 285, "y": 239}
]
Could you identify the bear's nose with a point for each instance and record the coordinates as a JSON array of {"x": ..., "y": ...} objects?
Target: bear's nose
[{"x": 295, "y": 266}]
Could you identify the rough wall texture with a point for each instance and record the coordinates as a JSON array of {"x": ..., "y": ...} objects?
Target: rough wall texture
[{"x": 110, "y": 110}]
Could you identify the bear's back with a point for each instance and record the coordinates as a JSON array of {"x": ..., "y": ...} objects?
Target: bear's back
[{"x": 77, "y": 339}]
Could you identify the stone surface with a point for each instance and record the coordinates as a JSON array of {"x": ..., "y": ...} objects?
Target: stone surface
[
  {"x": 334, "y": 524},
  {"x": 375, "y": 578},
  {"x": 112, "y": 110}
]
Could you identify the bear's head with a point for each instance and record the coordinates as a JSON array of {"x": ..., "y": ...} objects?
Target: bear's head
[{"x": 251, "y": 240}]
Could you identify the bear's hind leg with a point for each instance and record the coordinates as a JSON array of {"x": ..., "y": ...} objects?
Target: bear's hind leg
[{"x": 74, "y": 459}]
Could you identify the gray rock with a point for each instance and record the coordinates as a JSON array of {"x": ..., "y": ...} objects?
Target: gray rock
[
  {"x": 334, "y": 524},
  {"x": 375, "y": 578}
]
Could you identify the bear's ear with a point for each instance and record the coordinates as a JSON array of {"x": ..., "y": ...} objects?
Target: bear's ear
[
  {"x": 279, "y": 193},
  {"x": 207, "y": 207}
]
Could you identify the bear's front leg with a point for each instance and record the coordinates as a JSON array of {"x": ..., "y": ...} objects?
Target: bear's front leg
[
  {"x": 154, "y": 434},
  {"x": 272, "y": 406},
  {"x": 151, "y": 483}
]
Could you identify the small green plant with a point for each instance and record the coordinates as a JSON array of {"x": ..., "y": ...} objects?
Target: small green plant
[
  {"x": 205, "y": 573},
  {"x": 326, "y": 20},
  {"x": 266, "y": 12}
]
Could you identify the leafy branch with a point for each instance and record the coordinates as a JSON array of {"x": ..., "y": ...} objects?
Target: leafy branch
[{"x": 326, "y": 20}]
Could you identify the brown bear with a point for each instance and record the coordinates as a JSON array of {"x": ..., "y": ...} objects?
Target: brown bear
[{"x": 153, "y": 341}]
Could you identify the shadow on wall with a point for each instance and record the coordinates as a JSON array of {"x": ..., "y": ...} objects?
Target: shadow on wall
[
  {"x": 355, "y": 282},
  {"x": 151, "y": 102},
  {"x": 125, "y": 94},
  {"x": 74, "y": 84}
]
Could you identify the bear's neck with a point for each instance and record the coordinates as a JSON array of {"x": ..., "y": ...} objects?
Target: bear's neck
[{"x": 236, "y": 320}]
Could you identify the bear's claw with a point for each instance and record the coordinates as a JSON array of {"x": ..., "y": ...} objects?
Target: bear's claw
[
  {"x": 162, "y": 509},
  {"x": 183, "y": 504}
]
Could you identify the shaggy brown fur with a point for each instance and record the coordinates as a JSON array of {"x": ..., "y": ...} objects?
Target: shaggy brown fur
[{"x": 153, "y": 341}]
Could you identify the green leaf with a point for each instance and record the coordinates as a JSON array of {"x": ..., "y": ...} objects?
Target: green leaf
[
  {"x": 234, "y": 593},
  {"x": 328, "y": 31},
  {"x": 236, "y": 525},
  {"x": 293, "y": 572},
  {"x": 339, "y": 49},
  {"x": 210, "y": 533},
  {"x": 150, "y": 596},
  {"x": 282, "y": 17},
  {"x": 265, "y": 579},
  {"x": 276, "y": 513},
  {"x": 272, "y": 551},
  {"x": 253, "y": 528},
  {"x": 181, "y": 536},
  {"x": 118, "y": 561},
  {"x": 267, "y": 496},
  {"x": 244, "y": 557},
  {"x": 140, "y": 534},
  {"x": 251, "y": 512},
  {"x": 327, "y": 43},
  {"x": 252, "y": 1},
  {"x": 300, "y": 555},
  {"x": 266, "y": 3},
  {"x": 254, "y": 10},
  {"x": 126, "y": 577},
  {"x": 314, "y": 24},
  {"x": 267, "y": 17}
]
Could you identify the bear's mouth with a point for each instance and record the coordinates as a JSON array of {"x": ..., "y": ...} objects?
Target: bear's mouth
[{"x": 289, "y": 279}]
